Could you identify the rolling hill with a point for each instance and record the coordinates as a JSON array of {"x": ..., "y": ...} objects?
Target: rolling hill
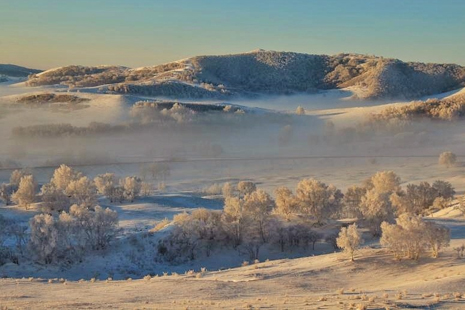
[{"x": 265, "y": 72}]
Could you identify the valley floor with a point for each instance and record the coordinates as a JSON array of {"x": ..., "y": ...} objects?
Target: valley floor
[{"x": 327, "y": 281}]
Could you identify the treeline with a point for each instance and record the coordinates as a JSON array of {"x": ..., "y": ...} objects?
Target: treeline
[
  {"x": 144, "y": 114},
  {"x": 50, "y": 98},
  {"x": 251, "y": 219},
  {"x": 172, "y": 89},
  {"x": 71, "y": 225}
]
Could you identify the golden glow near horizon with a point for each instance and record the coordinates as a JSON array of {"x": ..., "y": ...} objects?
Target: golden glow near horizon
[{"x": 51, "y": 33}]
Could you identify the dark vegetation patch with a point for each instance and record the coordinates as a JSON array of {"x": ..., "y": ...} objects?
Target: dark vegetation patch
[{"x": 50, "y": 98}]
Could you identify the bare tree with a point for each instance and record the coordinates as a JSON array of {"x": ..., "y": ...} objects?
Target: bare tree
[
  {"x": 160, "y": 171},
  {"x": 6, "y": 190},
  {"x": 444, "y": 189}
]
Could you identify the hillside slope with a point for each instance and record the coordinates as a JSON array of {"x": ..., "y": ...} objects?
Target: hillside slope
[
  {"x": 330, "y": 281},
  {"x": 265, "y": 72},
  {"x": 16, "y": 71}
]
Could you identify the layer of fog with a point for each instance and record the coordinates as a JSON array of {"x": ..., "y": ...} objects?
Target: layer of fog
[{"x": 216, "y": 136}]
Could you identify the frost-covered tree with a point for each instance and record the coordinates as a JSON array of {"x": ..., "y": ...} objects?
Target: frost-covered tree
[
  {"x": 26, "y": 193},
  {"x": 193, "y": 235},
  {"x": 228, "y": 190},
  {"x": 300, "y": 110},
  {"x": 132, "y": 186},
  {"x": 415, "y": 199},
  {"x": 437, "y": 237},
  {"x": 411, "y": 236},
  {"x": 286, "y": 203},
  {"x": 117, "y": 194},
  {"x": 97, "y": 227},
  {"x": 384, "y": 182},
  {"x": 318, "y": 199},
  {"x": 447, "y": 159},
  {"x": 68, "y": 236},
  {"x": 349, "y": 239},
  {"x": 64, "y": 175},
  {"x": 405, "y": 238},
  {"x": 376, "y": 208},
  {"x": 235, "y": 218},
  {"x": 246, "y": 187},
  {"x": 352, "y": 200},
  {"x": 146, "y": 189},
  {"x": 106, "y": 184},
  {"x": 53, "y": 199},
  {"x": 44, "y": 237},
  {"x": 258, "y": 206},
  {"x": 82, "y": 192},
  {"x": 16, "y": 177},
  {"x": 419, "y": 198}
]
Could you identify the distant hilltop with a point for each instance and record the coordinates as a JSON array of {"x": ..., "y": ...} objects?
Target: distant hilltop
[
  {"x": 264, "y": 72},
  {"x": 16, "y": 71}
]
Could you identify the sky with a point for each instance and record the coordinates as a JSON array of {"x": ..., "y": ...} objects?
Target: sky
[{"x": 51, "y": 33}]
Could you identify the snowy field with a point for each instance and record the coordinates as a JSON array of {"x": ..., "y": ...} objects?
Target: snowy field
[{"x": 326, "y": 281}]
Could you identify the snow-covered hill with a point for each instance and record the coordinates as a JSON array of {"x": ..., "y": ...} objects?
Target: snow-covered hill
[{"x": 265, "y": 72}]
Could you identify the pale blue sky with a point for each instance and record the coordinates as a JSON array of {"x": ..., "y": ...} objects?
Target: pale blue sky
[{"x": 50, "y": 33}]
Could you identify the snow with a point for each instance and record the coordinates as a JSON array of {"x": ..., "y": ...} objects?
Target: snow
[{"x": 289, "y": 280}]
